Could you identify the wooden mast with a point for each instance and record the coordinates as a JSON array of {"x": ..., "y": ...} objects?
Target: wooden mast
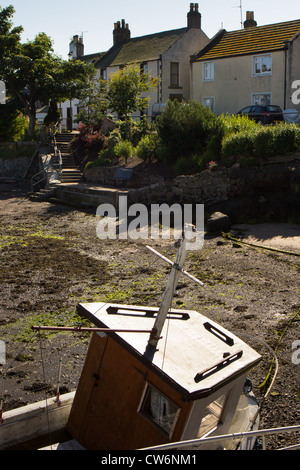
[{"x": 169, "y": 291}]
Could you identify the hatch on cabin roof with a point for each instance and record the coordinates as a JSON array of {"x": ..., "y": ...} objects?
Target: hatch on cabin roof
[{"x": 197, "y": 354}]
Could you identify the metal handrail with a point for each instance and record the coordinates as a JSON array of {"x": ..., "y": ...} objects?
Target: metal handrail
[
  {"x": 195, "y": 442},
  {"x": 57, "y": 155}
]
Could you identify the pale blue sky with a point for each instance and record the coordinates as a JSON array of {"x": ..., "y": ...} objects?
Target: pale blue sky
[{"x": 61, "y": 19}]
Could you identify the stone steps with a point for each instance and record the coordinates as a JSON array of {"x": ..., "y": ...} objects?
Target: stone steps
[{"x": 70, "y": 173}]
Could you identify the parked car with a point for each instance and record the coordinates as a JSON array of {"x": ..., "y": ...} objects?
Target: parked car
[{"x": 269, "y": 114}]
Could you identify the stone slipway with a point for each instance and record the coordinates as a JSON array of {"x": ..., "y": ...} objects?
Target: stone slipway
[{"x": 87, "y": 196}]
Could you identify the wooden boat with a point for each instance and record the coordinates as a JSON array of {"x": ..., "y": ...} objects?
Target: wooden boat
[{"x": 152, "y": 376}]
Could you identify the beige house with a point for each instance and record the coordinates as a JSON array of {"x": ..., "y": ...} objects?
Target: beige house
[
  {"x": 254, "y": 65},
  {"x": 165, "y": 54}
]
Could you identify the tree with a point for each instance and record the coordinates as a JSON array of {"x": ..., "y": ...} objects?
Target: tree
[
  {"x": 9, "y": 37},
  {"x": 125, "y": 89},
  {"x": 92, "y": 103},
  {"x": 34, "y": 74}
]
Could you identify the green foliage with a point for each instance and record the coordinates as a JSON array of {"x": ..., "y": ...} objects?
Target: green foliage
[
  {"x": 13, "y": 124},
  {"x": 16, "y": 149},
  {"x": 102, "y": 160},
  {"x": 9, "y": 36},
  {"x": 147, "y": 147},
  {"x": 92, "y": 103},
  {"x": 125, "y": 89},
  {"x": 124, "y": 149},
  {"x": 260, "y": 142},
  {"x": 113, "y": 139},
  {"x": 33, "y": 73},
  {"x": 233, "y": 124},
  {"x": 53, "y": 115},
  {"x": 185, "y": 166},
  {"x": 185, "y": 129}
]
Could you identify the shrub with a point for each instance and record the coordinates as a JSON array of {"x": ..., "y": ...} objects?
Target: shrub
[
  {"x": 185, "y": 128},
  {"x": 186, "y": 166},
  {"x": 235, "y": 123},
  {"x": 260, "y": 142},
  {"x": 146, "y": 148},
  {"x": 88, "y": 143},
  {"x": 13, "y": 124},
  {"x": 124, "y": 149},
  {"x": 102, "y": 160},
  {"x": 235, "y": 145}
]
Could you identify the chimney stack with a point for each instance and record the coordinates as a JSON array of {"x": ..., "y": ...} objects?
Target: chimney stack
[
  {"x": 194, "y": 17},
  {"x": 76, "y": 48},
  {"x": 250, "y": 22},
  {"x": 121, "y": 32}
]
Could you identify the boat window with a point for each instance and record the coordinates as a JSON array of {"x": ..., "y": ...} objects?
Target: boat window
[
  {"x": 212, "y": 416},
  {"x": 160, "y": 409}
]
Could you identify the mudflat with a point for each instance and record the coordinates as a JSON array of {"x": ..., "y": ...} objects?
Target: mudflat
[{"x": 51, "y": 260}]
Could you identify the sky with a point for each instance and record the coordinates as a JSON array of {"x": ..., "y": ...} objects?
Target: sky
[{"x": 94, "y": 19}]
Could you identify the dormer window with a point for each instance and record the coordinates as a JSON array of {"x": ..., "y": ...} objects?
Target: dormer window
[{"x": 262, "y": 65}]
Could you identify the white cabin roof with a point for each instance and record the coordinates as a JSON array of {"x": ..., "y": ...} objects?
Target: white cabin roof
[{"x": 196, "y": 354}]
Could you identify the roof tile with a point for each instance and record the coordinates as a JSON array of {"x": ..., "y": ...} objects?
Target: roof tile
[{"x": 258, "y": 39}]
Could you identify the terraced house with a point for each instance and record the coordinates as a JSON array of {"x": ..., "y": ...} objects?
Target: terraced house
[
  {"x": 165, "y": 54},
  {"x": 254, "y": 65}
]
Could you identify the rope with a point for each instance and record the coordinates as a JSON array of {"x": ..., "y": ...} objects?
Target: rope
[{"x": 276, "y": 250}]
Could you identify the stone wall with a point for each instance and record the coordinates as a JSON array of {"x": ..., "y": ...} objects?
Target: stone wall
[
  {"x": 269, "y": 190},
  {"x": 19, "y": 167}
]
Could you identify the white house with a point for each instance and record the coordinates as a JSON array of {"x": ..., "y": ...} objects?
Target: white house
[
  {"x": 165, "y": 54},
  {"x": 257, "y": 65}
]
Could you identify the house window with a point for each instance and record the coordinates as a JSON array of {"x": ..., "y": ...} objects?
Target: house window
[
  {"x": 103, "y": 74},
  {"x": 209, "y": 102},
  {"x": 159, "y": 409},
  {"x": 261, "y": 99},
  {"x": 144, "y": 68},
  {"x": 174, "y": 74},
  {"x": 213, "y": 415},
  {"x": 262, "y": 64},
  {"x": 208, "y": 71}
]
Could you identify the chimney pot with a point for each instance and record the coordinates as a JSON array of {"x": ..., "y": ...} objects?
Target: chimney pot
[{"x": 121, "y": 32}]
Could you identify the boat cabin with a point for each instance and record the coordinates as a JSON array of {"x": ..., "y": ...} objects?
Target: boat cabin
[{"x": 133, "y": 394}]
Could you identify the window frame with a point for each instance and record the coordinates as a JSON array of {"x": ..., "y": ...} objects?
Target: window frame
[
  {"x": 174, "y": 83},
  {"x": 212, "y": 100},
  {"x": 208, "y": 71},
  {"x": 144, "y": 403},
  {"x": 261, "y": 73},
  {"x": 260, "y": 95}
]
